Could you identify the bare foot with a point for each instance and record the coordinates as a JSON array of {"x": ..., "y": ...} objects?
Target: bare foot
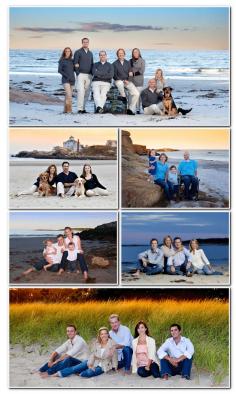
[{"x": 137, "y": 274}]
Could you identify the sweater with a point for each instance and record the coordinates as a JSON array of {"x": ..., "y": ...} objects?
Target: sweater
[
  {"x": 66, "y": 69},
  {"x": 121, "y": 71},
  {"x": 137, "y": 68},
  {"x": 85, "y": 60},
  {"x": 92, "y": 183},
  {"x": 151, "y": 347},
  {"x": 148, "y": 97},
  {"x": 102, "y": 72}
]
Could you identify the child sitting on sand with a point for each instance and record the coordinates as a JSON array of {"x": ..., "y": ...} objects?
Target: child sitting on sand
[
  {"x": 152, "y": 165},
  {"x": 173, "y": 180},
  {"x": 70, "y": 258},
  {"x": 49, "y": 252}
]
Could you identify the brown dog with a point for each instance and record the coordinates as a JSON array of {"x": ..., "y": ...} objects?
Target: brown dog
[
  {"x": 44, "y": 188},
  {"x": 168, "y": 102}
]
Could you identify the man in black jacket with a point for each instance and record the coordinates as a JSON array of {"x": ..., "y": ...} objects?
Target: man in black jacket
[
  {"x": 122, "y": 72},
  {"x": 152, "y": 100},
  {"x": 83, "y": 62},
  {"x": 102, "y": 76}
]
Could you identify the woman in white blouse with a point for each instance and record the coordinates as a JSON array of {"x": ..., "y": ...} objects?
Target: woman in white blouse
[{"x": 200, "y": 262}]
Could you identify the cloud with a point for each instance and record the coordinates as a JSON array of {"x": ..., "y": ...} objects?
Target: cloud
[
  {"x": 91, "y": 27},
  {"x": 163, "y": 43}
]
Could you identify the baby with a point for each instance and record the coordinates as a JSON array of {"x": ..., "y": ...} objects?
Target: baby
[
  {"x": 173, "y": 179},
  {"x": 49, "y": 253},
  {"x": 152, "y": 164}
]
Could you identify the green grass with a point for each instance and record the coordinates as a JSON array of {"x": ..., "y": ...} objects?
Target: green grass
[{"x": 205, "y": 322}]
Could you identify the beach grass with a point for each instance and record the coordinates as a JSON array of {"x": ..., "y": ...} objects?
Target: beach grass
[{"x": 205, "y": 322}]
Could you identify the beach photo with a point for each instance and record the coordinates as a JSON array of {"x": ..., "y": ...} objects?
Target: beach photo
[
  {"x": 127, "y": 338},
  {"x": 175, "y": 168},
  {"x": 74, "y": 248},
  {"x": 170, "y": 248},
  {"x": 105, "y": 66},
  {"x": 59, "y": 168}
]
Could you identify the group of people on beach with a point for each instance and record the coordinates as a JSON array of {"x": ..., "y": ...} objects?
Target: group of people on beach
[
  {"x": 128, "y": 76},
  {"x": 170, "y": 178},
  {"x": 64, "y": 255},
  {"x": 172, "y": 258},
  {"x": 67, "y": 182},
  {"x": 116, "y": 349}
]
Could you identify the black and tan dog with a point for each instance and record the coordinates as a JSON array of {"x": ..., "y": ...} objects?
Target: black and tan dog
[{"x": 169, "y": 104}]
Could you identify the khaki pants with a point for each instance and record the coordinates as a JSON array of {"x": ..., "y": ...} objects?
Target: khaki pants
[
  {"x": 96, "y": 192},
  {"x": 133, "y": 93},
  {"x": 100, "y": 90},
  {"x": 154, "y": 109},
  {"x": 68, "y": 191},
  {"x": 83, "y": 82},
  {"x": 68, "y": 97}
]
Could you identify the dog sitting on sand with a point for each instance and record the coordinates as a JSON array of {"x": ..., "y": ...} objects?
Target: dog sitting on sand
[
  {"x": 79, "y": 187},
  {"x": 44, "y": 189},
  {"x": 169, "y": 104}
]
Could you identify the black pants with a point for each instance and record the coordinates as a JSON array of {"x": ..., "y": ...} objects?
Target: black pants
[
  {"x": 73, "y": 265},
  {"x": 39, "y": 266},
  {"x": 153, "y": 371}
]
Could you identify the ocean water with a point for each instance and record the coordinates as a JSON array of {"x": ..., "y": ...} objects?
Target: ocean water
[
  {"x": 199, "y": 65},
  {"x": 217, "y": 254},
  {"x": 201, "y": 154}
]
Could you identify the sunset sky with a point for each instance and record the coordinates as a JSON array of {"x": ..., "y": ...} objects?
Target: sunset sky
[
  {"x": 27, "y": 221},
  {"x": 161, "y": 28},
  {"x": 141, "y": 227},
  {"x": 177, "y": 138},
  {"x": 46, "y": 138}
]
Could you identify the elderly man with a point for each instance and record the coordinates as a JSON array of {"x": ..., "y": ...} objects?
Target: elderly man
[
  {"x": 102, "y": 76},
  {"x": 176, "y": 355},
  {"x": 152, "y": 100},
  {"x": 122, "y": 69},
  {"x": 188, "y": 172}
]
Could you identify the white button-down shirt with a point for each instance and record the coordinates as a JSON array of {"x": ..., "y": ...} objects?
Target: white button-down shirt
[
  {"x": 171, "y": 349},
  {"x": 179, "y": 258},
  {"x": 121, "y": 337},
  {"x": 77, "y": 347}
]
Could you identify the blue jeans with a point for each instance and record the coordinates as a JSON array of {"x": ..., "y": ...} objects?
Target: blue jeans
[
  {"x": 183, "y": 369},
  {"x": 154, "y": 371},
  {"x": 151, "y": 269},
  {"x": 179, "y": 270},
  {"x": 127, "y": 357},
  {"x": 166, "y": 186},
  {"x": 67, "y": 362},
  {"x": 207, "y": 271},
  {"x": 190, "y": 185}
]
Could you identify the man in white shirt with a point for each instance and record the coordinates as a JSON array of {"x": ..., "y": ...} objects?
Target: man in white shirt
[
  {"x": 151, "y": 261},
  {"x": 176, "y": 355},
  {"x": 121, "y": 335},
  {"x": 70, "y": 353},
  {"x": 181, "y": 262}
]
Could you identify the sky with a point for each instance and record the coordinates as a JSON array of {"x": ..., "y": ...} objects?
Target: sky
[
  {"x": 25, "y": 221},
  {"x": 139, "y": 228},
  {"x": 47, "y": 137},
  {"x": 160, "y": 28},
  {"x": 177, "y": 138}
]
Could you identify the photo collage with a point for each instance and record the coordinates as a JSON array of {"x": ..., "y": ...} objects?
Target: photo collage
[{"x": 119, "y": 197}]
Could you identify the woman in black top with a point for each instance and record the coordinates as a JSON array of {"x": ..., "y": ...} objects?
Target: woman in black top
[
  {"x": 92, "y": 185},
  {"x": 52, "y": 171},
  {"x": 66, "y": 69}
]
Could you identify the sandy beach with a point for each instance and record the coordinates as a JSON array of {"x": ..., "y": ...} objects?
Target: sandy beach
[
  {"x": 176, "y": 280},
  {"x": 38, "y": 101},
  {"x": 24, "y": 173},
  {"x": 23, "y": 361},
  {"x": 24, "y": 252}
]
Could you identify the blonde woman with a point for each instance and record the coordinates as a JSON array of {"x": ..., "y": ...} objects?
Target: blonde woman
[
  {"x": 102, "y": 359},
  {"x": 144, "y": 360},
  {"x": 200, "y": 262},
  {"x": 168, "y": 250},
  {"x": 181, "y": 262},
  {"x": 160, "y": 80}
]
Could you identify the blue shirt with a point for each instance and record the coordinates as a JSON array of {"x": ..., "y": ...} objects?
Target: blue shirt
[
  {"x": 152, "y": 162},
  {"x": 187, "y": 167},
  {"x": 122, "y": 337},
  {"x": 161, "y": 170}
]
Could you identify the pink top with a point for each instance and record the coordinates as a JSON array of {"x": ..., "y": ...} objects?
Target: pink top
[{"x": 142, "y": 355}]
